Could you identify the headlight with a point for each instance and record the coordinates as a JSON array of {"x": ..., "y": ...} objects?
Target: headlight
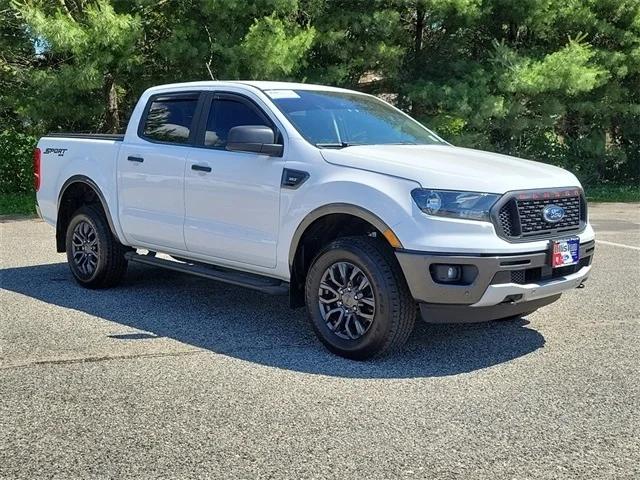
[{"x": 448, "y": 203}]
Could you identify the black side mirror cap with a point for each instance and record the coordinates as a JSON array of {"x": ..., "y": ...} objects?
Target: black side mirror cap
[{"x": 253, "y": 138}]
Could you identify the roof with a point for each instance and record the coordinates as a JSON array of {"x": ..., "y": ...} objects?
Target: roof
[
  {"x": 265, "y": 85},
  {"x": 261, "y": 85}
]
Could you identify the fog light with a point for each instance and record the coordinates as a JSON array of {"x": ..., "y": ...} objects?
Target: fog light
[{"x": 446, "y": 273}]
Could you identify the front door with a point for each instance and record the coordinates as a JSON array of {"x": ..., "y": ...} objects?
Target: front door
[
  {"x": 232, "y": 198},
  {"x": 151, "y": 172}
]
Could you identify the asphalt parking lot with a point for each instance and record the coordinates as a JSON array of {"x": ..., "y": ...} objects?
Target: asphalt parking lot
[{"x": 176, "y": 377}]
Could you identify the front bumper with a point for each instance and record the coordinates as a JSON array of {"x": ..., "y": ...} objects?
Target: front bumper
[{"x": 525, "y": 280}]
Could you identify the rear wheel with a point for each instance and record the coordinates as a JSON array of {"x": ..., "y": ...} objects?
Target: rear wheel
[
  {"x": 358, "y": 300},
  {"x": 96, "y": 258}
]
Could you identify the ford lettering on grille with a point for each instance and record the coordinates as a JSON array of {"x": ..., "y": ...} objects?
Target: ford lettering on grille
[{"x": 553, "y": 213}]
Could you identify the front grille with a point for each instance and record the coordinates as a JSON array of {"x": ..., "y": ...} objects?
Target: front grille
[
  {"x": 507, "y": 214},
  {"x": 545, "y": 273},
  {"x": 518, "y": 276},
  {"x": 542, "y": 273},
  {"x": 531, "y": 220},
  {"x": 519, "y": 215}
]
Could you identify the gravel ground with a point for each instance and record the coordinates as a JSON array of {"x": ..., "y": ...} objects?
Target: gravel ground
[{"x": 177, "y": 377}]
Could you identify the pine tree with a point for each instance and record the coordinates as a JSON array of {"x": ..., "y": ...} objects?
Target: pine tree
[
  {"x": 87, "y": 51},
  {"x": 551, "y": 80}
]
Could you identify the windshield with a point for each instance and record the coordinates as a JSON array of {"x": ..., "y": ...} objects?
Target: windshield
[{"x": 340, "y": 119}]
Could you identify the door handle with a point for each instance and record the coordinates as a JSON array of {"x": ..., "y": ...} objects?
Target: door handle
[
  {"x": 201, "y": 168},
  {"x": 135, "y": 159}
]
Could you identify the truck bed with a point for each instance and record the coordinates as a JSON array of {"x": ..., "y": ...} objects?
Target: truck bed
[
  {"x": 64, "y": 156},
  {"x": 94, "y": 136}
]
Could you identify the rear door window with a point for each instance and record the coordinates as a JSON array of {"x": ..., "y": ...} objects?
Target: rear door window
[{"x": 170, "y": 118}]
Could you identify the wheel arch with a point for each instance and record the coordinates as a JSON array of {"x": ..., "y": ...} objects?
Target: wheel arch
[
  {"x": 76, "y": 191},
  {"x": 332, "y": 209},
  {"x": 343, "y": 219}
]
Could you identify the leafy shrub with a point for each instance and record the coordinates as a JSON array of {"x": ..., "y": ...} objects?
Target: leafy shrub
[{"x": 16, "y": 162}]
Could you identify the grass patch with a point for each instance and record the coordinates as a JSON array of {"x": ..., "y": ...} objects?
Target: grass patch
[
  {"x": 25, "y": 203},
  {"x": 613, "y": 193},
  {"x": 17, "y": 203}
]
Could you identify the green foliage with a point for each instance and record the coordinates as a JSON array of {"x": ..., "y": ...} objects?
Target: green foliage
[
  {"x": 613, "y": 193},
  {"x": 16, "y": 162},
  {"x": 551, "y": 80},
  {"x": 16, "y": 55},
  {"x": 567, "y": 71},
  {"x": 222, "y": 39},
  {"x": 18, "y": 203},
  {"x": 273, "y": 48},
  {"x": 87, "y": 52},
  {"x": 355, "y": 38}
]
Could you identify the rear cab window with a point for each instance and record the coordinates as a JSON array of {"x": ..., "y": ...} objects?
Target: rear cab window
[{"x": 169, "y": 118}]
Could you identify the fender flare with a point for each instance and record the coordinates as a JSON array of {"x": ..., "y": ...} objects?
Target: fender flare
[
  {"x": 332, "y": 208},
  {"x": 94, "y": 186}
]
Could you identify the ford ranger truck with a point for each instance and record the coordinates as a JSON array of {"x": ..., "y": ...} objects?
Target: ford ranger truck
[{"x": 330, "y": 196}]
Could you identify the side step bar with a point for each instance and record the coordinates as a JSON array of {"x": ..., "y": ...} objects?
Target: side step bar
[{"x": 261, "y": 283}]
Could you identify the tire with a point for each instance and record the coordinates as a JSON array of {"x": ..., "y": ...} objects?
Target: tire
[
  {"x": 366, "y": 330},
  {"x": 96, "y": 258}
]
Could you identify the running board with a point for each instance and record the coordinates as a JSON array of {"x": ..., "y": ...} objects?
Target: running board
[{"x": 261, "y": 283}]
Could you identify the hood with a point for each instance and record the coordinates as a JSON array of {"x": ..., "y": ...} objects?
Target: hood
[{"x": 452, "y": 168}]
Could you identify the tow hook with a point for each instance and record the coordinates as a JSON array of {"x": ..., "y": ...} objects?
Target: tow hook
[{"x": 581, "y": 285}]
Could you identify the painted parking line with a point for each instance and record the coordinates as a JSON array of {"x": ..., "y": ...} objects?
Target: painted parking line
[{"x": 604, "y": 242}]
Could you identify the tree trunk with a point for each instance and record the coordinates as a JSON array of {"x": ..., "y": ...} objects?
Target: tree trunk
[
  {"x": 417, "y": 49},
  {"x": 420, "y": 16},
  {"x": 112, "y": 120},
  {"x": 65, "y": 9}
]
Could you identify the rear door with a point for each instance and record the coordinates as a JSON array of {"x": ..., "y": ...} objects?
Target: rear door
[
  {"x": 232, "y": 198},
  {"x": 151, "y": 171}
]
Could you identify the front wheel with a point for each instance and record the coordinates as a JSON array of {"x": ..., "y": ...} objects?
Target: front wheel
[
  {"x": 96, "y": 258},
  {"x": 358, "y": 300}
]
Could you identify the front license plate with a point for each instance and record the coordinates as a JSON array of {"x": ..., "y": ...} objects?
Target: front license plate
[{"x": 565, "y": 252}]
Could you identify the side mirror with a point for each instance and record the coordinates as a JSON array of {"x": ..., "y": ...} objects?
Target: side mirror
[{"x": 253, "y": 138}]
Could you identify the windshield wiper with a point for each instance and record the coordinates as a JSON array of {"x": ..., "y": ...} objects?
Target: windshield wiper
[
  {"x": 337, "y": 145},
  {"x": 350, "y": 144}
]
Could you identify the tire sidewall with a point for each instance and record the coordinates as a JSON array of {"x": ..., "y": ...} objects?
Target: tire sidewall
[
  {"x": 80, "y": 216},
  {"x": 373, "y": 340}
]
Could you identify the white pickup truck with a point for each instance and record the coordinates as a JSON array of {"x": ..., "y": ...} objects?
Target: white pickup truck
[{"x": 333, "y": 197}]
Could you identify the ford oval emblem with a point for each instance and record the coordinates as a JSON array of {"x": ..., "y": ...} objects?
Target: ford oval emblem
[{"x": 553, "y": 213}]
